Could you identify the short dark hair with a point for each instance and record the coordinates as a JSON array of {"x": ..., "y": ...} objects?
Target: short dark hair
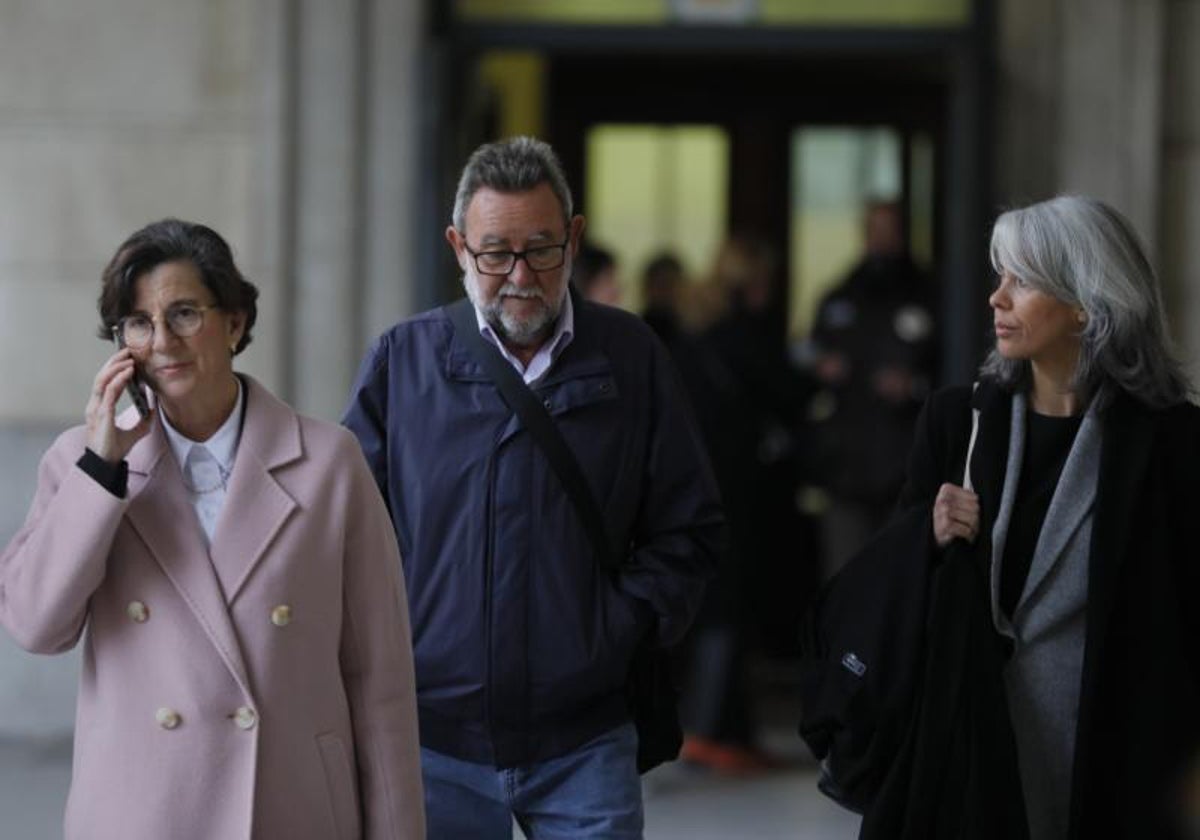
[
  {"x": 664, "y": 270},
  {"x": 172, "y": 240},
  {"x": 517, "y": 164},
  {"x": 590, "y": 263}
]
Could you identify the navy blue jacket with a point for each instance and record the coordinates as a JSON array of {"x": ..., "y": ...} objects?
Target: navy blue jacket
[{"x": 522, "y": 641}]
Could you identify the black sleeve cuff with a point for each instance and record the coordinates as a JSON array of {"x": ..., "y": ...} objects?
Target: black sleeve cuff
[{"x": 112, "y": 477}]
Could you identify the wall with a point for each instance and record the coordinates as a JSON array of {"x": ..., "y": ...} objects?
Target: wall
[
  {"x": 1180, "y": 178},
  {"x": 1102, "y": 97}
]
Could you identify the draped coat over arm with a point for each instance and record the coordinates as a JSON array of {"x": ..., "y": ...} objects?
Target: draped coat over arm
[{"x": 1138, "y": 724}]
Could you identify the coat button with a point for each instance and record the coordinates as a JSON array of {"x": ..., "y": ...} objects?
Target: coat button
[
  {"x": 168, "y": 718},
  {"x": 245, "y": 718},
  {"x": 281, "y": 616},
  {"x": 137, "y": 611}
]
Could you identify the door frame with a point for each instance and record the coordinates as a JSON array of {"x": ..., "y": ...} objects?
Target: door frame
[{"x": 961, "y": 59}]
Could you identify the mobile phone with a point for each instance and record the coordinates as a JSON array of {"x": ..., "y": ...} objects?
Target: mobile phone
[{"x": 135, "y": 388}]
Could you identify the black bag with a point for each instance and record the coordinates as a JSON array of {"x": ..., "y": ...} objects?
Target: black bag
[
  {"x": 654, "y": 704},
  {"x": 651, "y": 689},
  {"x": 863, "y": 653},
  {"x": 955, "y": 775}
]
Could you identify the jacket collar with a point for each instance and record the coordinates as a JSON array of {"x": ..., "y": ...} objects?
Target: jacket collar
[
  {"x": 1127, "y": 428},
  {"x": 270, "y": 440},
  {"x": 271, "y": 429},
  {"x": 1073, "y": 498},
  {"x": 581, "y": 357},
  {"x": 1070, "y": 506}
]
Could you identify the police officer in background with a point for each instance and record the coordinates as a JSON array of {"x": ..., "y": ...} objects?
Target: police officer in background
[{"x": 875, "y": 346}]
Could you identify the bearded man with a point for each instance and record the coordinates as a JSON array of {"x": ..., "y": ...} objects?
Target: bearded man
[{"x": 522, "y": 636}]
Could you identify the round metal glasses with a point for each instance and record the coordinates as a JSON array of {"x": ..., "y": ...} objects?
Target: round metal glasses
[{"x": 183, "y": 320}]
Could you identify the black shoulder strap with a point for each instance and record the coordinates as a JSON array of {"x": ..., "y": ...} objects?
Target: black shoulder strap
[{"x": 538, "y": 422}]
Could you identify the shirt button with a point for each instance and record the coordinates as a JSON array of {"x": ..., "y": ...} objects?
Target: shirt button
[
  {"x": 281, "y": 616},
  {"x": 548, "y": 404},
  {"x": 137, "y": 611},
  {"x": 245, "y": 718},
  {"x": 168, "y": 718}
]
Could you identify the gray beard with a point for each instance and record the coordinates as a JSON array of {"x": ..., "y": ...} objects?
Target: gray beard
[{"x": 530, "y": 332}]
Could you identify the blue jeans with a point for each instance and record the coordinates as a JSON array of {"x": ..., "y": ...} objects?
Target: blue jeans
[{"x": 593, "y": 791}]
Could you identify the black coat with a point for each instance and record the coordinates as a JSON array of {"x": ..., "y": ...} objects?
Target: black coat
[{"x": 1139, "y": 712}]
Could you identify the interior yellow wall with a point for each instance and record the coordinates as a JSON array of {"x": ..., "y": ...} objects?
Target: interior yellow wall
[
  {"x": 834, "y": 171},
  {"x": 767, "y": 12},
  {"x": 565, "y": 11},
  {"x": 922, "y": 206},
  {"x": 517, "y": 79},
  {"x": 656, "y": 188},
  {"x": 826, "y": 245},
  {"x": 866, "y": 12}
]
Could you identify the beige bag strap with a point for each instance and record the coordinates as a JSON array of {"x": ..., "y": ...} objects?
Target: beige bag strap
[{"x": 967, "y": 485}]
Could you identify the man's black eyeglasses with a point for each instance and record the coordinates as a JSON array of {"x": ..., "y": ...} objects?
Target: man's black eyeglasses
[{"x": 501, "y": 263}]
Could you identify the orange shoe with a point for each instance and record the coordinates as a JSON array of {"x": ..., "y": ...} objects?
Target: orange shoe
[{"x": 727, "y": 758}]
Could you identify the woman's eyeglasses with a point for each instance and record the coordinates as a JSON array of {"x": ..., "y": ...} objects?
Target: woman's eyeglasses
[{"x": 183, "y": 319}]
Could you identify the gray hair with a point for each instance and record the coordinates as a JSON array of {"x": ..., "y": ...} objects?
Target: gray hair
[
  {"x": 513, "y": 165},
  {"x": 1086, "y": 254}
]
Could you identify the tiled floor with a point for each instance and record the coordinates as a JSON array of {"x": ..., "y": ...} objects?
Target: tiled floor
[
  {"x": 681, "y": 803},
  {"x": 686, "y": 804},
  {"x": 33, "y": 788}
]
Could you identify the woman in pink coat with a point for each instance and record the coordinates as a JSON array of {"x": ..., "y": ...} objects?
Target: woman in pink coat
[{"x": 232, "y": 570}]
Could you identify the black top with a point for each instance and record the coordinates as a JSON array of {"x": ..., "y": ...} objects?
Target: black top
[{"x": 1047, "y": 443}]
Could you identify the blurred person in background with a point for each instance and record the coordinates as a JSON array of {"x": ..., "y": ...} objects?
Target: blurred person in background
[
  {"x": 247, "y": 670},
  {"x": 1083, "y": 521},
  {"x": 663, "y": 284},
  {"x": 595, "y": 275},
  {"x": 524, "y": 637},
  {"x": 751, "y": 404},
  {"x": 874, "y": 347}
]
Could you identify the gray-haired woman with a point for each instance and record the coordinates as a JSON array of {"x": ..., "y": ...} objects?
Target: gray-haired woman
[{"x": 1085, "y": 521}]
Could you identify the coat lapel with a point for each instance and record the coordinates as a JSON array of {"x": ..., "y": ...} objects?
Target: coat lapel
[
  {"x": 256, "y": 506},
  {"x": 160, "y": 513},
  {"x": 1070, "y": 505},
  {"x": 1008, "y": 494}
]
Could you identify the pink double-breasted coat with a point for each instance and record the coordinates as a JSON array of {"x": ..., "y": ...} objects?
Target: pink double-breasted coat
[{"x": 260, "y": 689}]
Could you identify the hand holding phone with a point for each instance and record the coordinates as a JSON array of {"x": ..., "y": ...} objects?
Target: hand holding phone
[
  {"x": 105, "y": 437},
  {"x": 136, "y": 386}
]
